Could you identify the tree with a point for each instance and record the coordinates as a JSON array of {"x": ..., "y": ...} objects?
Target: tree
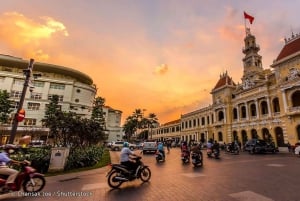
[
  {"x": 53, "y": 114},
  {"x": 152, "y": 122},
  {"x": 5, "y": 106}
]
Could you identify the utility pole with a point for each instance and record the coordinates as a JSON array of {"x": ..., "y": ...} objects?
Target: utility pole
[{"x": 27, "y": 72}]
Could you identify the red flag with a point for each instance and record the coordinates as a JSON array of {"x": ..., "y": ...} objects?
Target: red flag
[{"x": 249, "y": 17}]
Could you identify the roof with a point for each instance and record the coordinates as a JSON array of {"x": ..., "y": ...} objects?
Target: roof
[
  {"x": 171, "y": 122},
  {"x": 292, "y": 46},
  {"x": 224, "y": 80},
  {"x": 10, "y": 61}
]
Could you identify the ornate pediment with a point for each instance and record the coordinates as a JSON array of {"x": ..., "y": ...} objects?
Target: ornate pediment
[{"x": 294, "y": 73}]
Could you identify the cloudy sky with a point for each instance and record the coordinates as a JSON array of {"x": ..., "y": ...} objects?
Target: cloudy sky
[{"x": 164, "y": 56}]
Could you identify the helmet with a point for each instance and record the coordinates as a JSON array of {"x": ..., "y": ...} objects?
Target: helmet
[{"x": 125, "y": 144}]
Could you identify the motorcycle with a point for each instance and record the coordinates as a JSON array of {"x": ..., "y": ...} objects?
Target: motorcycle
[
  {"x": 185, "y": 156},
  {"x": 234, "y": 150},
  {"x": 213, "y": 153},
  {"x": 197, "y": 159},
  {"x": 28, "y": 178},
  {"x": 159, "y": 157},
  {"x": 119, "y": 173}
]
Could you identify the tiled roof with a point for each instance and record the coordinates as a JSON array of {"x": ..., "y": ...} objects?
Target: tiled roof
[
  {"x": 223, "y": 81},
  {"x": 172, "y": 122},
  {"x": 290, "y": 48}
]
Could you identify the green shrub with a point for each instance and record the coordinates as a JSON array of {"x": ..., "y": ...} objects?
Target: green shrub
[{"x": 84, "y": 157}]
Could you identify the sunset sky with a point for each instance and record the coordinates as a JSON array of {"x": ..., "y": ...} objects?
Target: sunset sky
[{"x": 164, "y": 56}]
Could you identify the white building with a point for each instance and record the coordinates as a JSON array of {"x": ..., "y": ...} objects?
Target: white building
[
  {"x": 113, "y": 122},
  {"x": 76, "y": 93}
]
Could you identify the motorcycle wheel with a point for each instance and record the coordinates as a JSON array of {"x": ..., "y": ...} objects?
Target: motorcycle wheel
[
  {"x": 34, "y": 184},
  {"x": 145, "y": 174},
  {"x": 111, "y": 179}
]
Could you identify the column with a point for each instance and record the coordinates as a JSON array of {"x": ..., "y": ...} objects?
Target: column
[{"x": 284, "y": 100}]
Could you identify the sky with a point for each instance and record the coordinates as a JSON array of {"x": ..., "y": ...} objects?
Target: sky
[{"x": 164, "y": 56}]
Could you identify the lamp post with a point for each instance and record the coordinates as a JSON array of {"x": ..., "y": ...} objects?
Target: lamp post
[{"x": 27, "y": 72}]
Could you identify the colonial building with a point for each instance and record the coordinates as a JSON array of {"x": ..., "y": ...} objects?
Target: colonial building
[
  {"x": 75, "y": 89},
  {"x": 265, "y": 105},
  {"x": 113, "y": 122}
]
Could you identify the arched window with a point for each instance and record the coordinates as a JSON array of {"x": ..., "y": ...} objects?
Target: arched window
[
  {"x": 220, "y": 116},
  {"x": 253, "y": 110},
  {"x": 235, "y": 116},
  {"x": 243, "y": 112},
  {"x": 264, "y": 108},
  {"x": 254, "y": 134},
  {"x": 220, "y": 136},
  {"x": 276, "y": 107},
  {"x": 296, "y": 99}
]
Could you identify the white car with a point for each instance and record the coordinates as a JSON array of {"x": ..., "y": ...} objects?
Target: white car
[{"x": 297, "y": 150}]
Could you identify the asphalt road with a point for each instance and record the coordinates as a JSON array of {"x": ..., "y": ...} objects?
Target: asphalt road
[{"x": 243, "y": 177}]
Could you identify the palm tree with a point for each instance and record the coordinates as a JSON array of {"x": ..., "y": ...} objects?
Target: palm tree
[{"x": 152, "y": 122}]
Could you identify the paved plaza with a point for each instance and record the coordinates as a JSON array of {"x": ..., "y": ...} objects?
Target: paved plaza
[{"x": 262, "y": 177}]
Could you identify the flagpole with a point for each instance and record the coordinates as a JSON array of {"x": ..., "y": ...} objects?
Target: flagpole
[{"x": 245, "y": 24}]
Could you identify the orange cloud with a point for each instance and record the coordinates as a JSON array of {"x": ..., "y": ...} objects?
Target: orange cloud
[
  {"x": 161, "y": 69},
  {"x": 28, "y": 37}
]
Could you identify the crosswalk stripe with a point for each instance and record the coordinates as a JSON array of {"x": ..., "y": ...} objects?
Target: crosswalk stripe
[{"x": 249, "y": 196}]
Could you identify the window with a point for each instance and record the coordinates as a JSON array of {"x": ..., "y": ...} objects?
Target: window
[
  {"x": 243, "y": 111},
  {"x": 15, "y": 105},
  {"x": 253, "y": 110},
  {"x": 33, "y": 106},
  {"x": 276, "y": 106},
  {"x": 77, "y": 100},
  {"x": 235, "y": 116},
  {"x": 18, "y": 82},
  {"x": 60, "y": 97},
  {"x": 38, "y": 84},
  {"x": 264, "y": 108},
  {"x": 36, "y": 96},
  {"x": 29, "y": 122},
  {"x": 202, "y": 121},
  {"x": 57, "y": 86},
  {"x": 15, "y": 94},
  {"x": 78, "y": 90}
]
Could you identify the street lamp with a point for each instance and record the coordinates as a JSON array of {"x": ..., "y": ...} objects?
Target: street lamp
[{"x": 27, "y": 72}]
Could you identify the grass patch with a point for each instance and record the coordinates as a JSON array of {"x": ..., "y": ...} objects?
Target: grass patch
[{"x": 105, "y": 160}]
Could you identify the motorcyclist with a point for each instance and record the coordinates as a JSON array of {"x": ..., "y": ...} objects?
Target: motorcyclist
[
  {"x": 196, "y": 148},
  {"x": 160, "y": 148},
  {"x": 185, "y": 148},
  {"x": 5, "y": 170},
  {"x": 125, "y": 157},
  {"x": 216, "y": 146}
]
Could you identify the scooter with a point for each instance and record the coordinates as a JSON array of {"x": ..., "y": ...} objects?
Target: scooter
[
  {"x": 28, "y": 178},
  {"x": 197, "y": 159},
  {"x": 119, "y": 173},
  {"x": 159, "y": 157},
  {"x": 213, "y": 153},
  {"x": 185, "y": 157}
]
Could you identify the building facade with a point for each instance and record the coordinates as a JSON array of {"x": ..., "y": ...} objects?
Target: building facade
[
  {"x": 265, "y": 105},
  {"x": 113, "y": 122},
  {"x": 76, "y": 93}
]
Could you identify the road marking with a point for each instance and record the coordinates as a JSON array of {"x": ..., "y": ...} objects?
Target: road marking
[
  {"x": 249, "y": 196},
  {"x": 275, "y": 165},
  {"x": 193, "y": 175},
  {"x": 94, "y": 186}
]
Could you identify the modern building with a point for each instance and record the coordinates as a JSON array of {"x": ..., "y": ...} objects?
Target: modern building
[
  {"x": 265, "y": 105},
  {"x": 75, "y": 89},
  {"x": 113, "y": 122}
]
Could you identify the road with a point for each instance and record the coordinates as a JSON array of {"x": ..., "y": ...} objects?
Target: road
[{"x": 243, "y": 177}]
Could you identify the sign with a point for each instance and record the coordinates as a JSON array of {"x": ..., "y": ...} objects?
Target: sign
[{"x": 21, "y": 115}]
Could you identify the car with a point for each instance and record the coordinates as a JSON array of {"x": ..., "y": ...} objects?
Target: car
[
  {"x": 118, "y": 145},
  {"x": 297, "y": 150},
  {"x": 259, "y": 146},
  {"x": 149, "y": 147}
]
